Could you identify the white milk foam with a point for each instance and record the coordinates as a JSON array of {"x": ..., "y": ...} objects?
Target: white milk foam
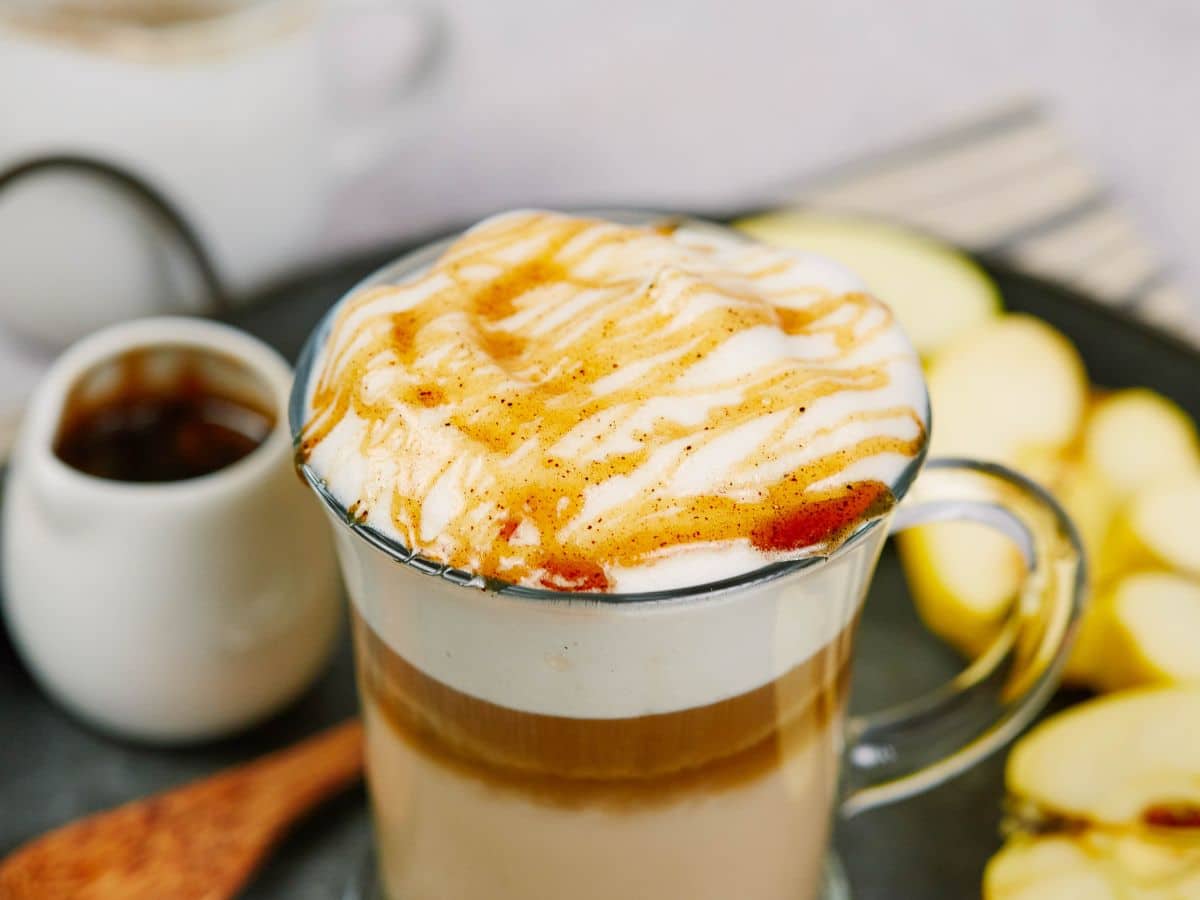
[
  {"x": 583, "y": 659},
  {"x": 676, "y": 403}
]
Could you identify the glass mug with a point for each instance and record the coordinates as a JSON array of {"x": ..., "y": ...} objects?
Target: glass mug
[{"x": 524, "y": 743}]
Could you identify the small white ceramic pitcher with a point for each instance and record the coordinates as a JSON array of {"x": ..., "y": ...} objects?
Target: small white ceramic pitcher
[{"x": 172, "y": 611}]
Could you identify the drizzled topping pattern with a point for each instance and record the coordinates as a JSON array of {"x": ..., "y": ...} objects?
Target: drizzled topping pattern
[{"x": 566, "y": 403}]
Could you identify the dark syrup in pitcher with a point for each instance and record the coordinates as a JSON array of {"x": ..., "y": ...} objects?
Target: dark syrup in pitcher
[{"x": 159, "y": 429}]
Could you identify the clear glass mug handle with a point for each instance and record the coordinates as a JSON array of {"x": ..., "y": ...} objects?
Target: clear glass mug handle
[{"x": 917, "y": 745}]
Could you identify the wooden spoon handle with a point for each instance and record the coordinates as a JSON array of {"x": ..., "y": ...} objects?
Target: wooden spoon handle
[
  {"x": 291, "y": 781},
  {"x": 203, "y": 840}
]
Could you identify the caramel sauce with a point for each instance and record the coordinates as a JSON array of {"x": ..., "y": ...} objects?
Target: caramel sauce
[
  {"x": 514, "y": 341},
  {"x": 154, "y": 429},
  {"x": 814, "y": 521},
  {"x": 1173, "y": 815}
]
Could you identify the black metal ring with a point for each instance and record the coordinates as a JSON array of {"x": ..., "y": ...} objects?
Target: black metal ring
[{"x": 146, "y": 192}]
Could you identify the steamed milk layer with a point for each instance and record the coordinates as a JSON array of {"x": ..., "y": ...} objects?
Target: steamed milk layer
[
  {"x": 576, "y": 405},
  {"x": 629, "y": 783}
]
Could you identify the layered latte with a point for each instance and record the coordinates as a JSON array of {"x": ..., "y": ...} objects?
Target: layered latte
[{"x": 578, "y": 408}]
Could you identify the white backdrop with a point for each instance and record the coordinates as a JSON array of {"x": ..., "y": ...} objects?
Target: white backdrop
[{"x": 708, "y": 102}]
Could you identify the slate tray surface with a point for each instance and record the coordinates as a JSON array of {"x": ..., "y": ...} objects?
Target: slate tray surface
[{"x": 53, "y": 769}]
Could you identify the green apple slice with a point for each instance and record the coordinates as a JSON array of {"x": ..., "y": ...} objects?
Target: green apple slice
[
  {"x": 1013, "y": 388},
  {"x": 936, "y": 292},
  {"x": 1115, "y": 760},
  {"x": 1088, "y": 500},
  {"x": 1112, "y": 791},
  {"x": 1158, "y": 529},
  {"x": 1154, "y": 622},
  {"x": 1054, "y": 868},
  {"x": 963, "y": 578},
  {"x": 1136, "y": 437},
  {"x": 1092, "y": 506},
  {"x": 1015, "y": 391},
  {"x": 1093, "y": 866}
]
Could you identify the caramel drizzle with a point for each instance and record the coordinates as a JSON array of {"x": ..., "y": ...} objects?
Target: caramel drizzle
[{"x": 521, "y": 341}]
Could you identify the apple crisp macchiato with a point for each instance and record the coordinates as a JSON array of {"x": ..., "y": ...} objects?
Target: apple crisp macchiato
[{"x": 580, "y": 408}]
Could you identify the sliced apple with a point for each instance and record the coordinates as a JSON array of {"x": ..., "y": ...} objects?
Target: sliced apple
[
  {"x": 1136, "y": 437},
  {"x": 936, "y": 292},
  {"x": 963, "y": 578},
  {"x": 1086, "y": 497},
  {"x": 1111, "y": 789},
  {"x": 1116, "y": 761},
  {"x": 1093, "y": 866},
  {"x": 1158, "y": 529},
  {"x": 1089, "y": 657},
  {"x": 1015, "y": 387},
  {"x": 1015, "y": 391},
  {"x": 1054, "y": 868},
  {"x": 1153, "y": 630},
  {"x": 1092, "y": 506}
]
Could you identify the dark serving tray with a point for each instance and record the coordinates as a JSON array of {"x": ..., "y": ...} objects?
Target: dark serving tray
[{"x": 52, "y": 769}]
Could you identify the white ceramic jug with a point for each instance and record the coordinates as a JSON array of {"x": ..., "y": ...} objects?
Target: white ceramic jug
[{"x": 169, "y": 611}]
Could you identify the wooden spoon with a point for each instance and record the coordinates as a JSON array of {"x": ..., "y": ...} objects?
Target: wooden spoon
[{"x": 202, "y": 841}]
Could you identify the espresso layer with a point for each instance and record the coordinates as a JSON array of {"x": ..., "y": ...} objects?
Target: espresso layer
[{"x": 641, "y": 759}]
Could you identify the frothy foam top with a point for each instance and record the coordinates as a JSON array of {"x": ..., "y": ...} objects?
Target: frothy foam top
[{"x": 577, "y": 405}]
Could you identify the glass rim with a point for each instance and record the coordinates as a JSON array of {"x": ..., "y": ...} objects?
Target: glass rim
[{"x": 414, "y": 261}]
